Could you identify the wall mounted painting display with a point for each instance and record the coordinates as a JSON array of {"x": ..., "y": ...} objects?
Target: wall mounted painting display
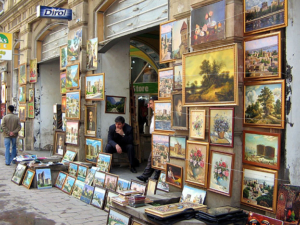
[
  {"x": 177, "y": 147},
  {"x": 30, "y": 95},
  {"x": 22, "y": 113},
  {"x": 2, "y": 110},
  {"x": 69, "y": 156},
  {"x": 138, "y": 186},
  {"x": 18, "y": 174},
  {"x": 30, "y": 110},
  {"x": 60, "y": 180},
  {"x": 165, "y": 83},
  {"x": 257, "y": 181},
  {"x": 262, "y": 149},
  {"x": 108, "y": 199},
  {"x": 162, "y": 115},
  {"x": 74, "y": 44},
  {"x": 197, "y": 123},
  {"x": 87, "y": 194},
  {"x": 63, "y": 53},
  {"x": 43, "y": 178},
  {"x": 104, "y": 161},
  {"x": 162, "y": 185},
  {"x": 22, "y": 131},
  {"x": 90, "y": 120},
  {"x": 72, "y": 132},
  {"x": 73, "y": 105},
  {"x": 160, "y": 151},
  {"x": 22, "y": 94},
  {"x": 208, "y": 23},
  {"x": 264, "y": 15},
  {"x": 115, "y": 104},
  {"x": 117, "y": 217},
  {"x": 63, "y": 82},
  {"x": 28, "y": 178},
  {"x": 33, "y": 71},
  {"x": 221, "y": 127},
  {"x": 63, "y": 103},
  {"x": 151, "y": 187},
  {"x": 98, "y": 197},
  {"x": 95, "y": 86},
  {"x": 69, "y": 184},
  {"x": 177, "y": 77},
  {"x": 179, "y": 115},
  {"x": 77, "y": 190},
  {"x": 123, "y": 185},
  {"x": 3, "y": 93},
  {"x": 111, "y": 181},
  {"x": 262, "y": 57},
  {"x": 264, "y": 104},
  {"x": 210, "y": 77},
  {"x": 191, "y": 194},
  {"x": 174, "y": 175},
  {"x": 174, "y": 40},
  {"x": 59, "y": 147},
  {"x": 221, "y": 172},
  {"x": 92, "y": 54},
  {"x": 196, "y": 163},
  {"x": 72, "y": 77},
  {"x": 255, "y": 218},
  {"x": 22, "y": 74},
  {"x": 93, "y": 146},
  {"x": 73, "y": 169},
  {"x": 82, "y": 172}
]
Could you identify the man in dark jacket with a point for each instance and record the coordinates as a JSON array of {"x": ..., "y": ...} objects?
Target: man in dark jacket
[{"x": 120, "y": 139}]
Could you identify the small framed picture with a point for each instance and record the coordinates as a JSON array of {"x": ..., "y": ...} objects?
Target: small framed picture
[
  {"x": 177, "y": 78},
  {"x": 115, "y": 104},
  {"x": 82, "y": 172},
  {"x": 162, "y": 116},
  {"x": 30, "y": 94},
  {"x": 19, "y": 174},
  {"x": 72, "y": 132},
  {"x": 108, "y": 199},
  {"x": 3, "y": 93},
  {"x": 33, "y": 71},
  {"x": 90, "y": 127},
  {"x": 59, "y": 143},
  {"x": 22, "y": 94},
  {"x": 197, "y": 123},
  {"x": 161, "y": 184},
  {"x": 73, "y": 105},
  {"x": 99, "y": 179},
  {"x": 43, "y": 178},
  {"x": 77, "y": 190},
  {"x": 179, "y": 115},
  {"x": 98, "y": 197},
  {"x": 73, "y": 169},
  {"x": 63, "y": 57},
  {"x": 104, "y": 161},
  {"x": 69, "y": 156},
  {"x": 93, "y": 146},
  {"x": 29, "y": 175},
  {"x": 22, "y": 113},
  {"x": 2, "y": 110},
  {"x": 115, "y": 215},
  {"x": 123, "y": 185},
  {"x": 22, "y": 74},
  {"x": 63, "y": 103},
  {"x": 111, "y": 181},
  {"x": 174, "y": 175},
  {"x": 20, "y": 144},
  {"x": 94, "y": 87},
  {"x": 165, "y": 83},
  {"x": 72, "y": 77},
  {"x": 60, "y": 180},
  {"x": 22, "y": 131},
  {"x": 87, "y": 194},
  {"x": 138, "y": 186},
  {"x": 192, "y": 194},
  {"x": 63, "y": 81},
  {"x": 177, "y": 147},
  {"x": 136, "y": 222},
  {"x": 151, "y": 186},
  {"x": 90, "y": 176},
  {"x": 160, "y": 150},
  {"x": 69, "y": 184}
]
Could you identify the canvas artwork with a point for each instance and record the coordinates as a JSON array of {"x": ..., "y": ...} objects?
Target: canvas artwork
[
  {"x": 191, "y": 194},
  {"x": 98, "y": 197},
  {"x": 22, "y": 94},
  {"x": 179, "y": 114},
  {"x": 256, "y": 219},
  {"x": 262, "y": 57},
  {"x": 262, "y": 149},
  {"x": 162, "y": 116},
  {"x": 151, "y": 187},
  {"x": 90, "y": 120},
  {"x": 74, "y": 44},
  {"x": 69, "y": 184},
  {"x": 3, "y": 77},
  {"x": 262, "y": 15},
  {"x": 33, "y": 71},
  {"x": 93, "y": 146},
  {"x": 2, "y": 110},
  {"x": 92, "y": 54},
  {"x": 63, "y": 61},
  {"x": 123, "y": 185},
  {"x": 63, "y": 83},
  {"x": 69, "y": 156},
  {"x": 177, "y": 147},
  {"x": 64, "y": 122},
  {"x": 259, "y": 188},
  {"x": 22, "y": 74},
  {"x": 87, "y": 194},
  {"x": 165, "y": 83},
  {"x": 197, "y": 123},
  {"x": 3, "y": 93},
  {"x": 95, "y": 86},
  {"x": 160, "y": 151},
  {"x": 60, "y": 180},
  {"x": 73, "y": 105},
  {"x": 221, "y": 172},
  {"x": 78, "y": 188},
  {"x": 264, "y": 103},
  {"x": 63, "y": 103},
  {"x": 99, "y": 179},
  {"x": 210, "y": 77},
  {"x": 208, "y": 23},
  {"x": 196, "y": 163},
  {"x": 104, "y": 161},
  {"x": 43, "y": 178},
  {"x": 59, "y": 147},
  {"x": 111, "y": 181},
  {"x": 136, "y": 222},
  {"x": 30, "y": 110},
  {"x": 31, "y": 95},
  {"x": 138, "y": 186},
  {"x": 20, "y": 144},
  {"x": 72, "y": 132},
  {"x": 90, "y": 176},
  {"x": 22, "y": 131},
  {"x": 18, "y": 174},
  {"x": 117, "y": 217},
  {"x": 174, "y": 175},
  {"x": 108, "y": 202},
  {"x": 72, "y": 76},
  {"x": 115, "y": 104},
  {"x": 22, "y": 113},
  {"x": 177, "y": 77},
  {"x": 82, "y": 172},
  {"x": 73, "y": 169},
  {"x": 162, "y": 185},
  {"x": 28, "y": 178},
  {"x": 221, "y": 127}
]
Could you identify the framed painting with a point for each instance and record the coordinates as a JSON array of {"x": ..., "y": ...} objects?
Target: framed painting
[
  {"x": 22, "y": 74},
  {"x": 28, "y": 178},
  {"x": 95, "y": 87},
  {"x": 30, "y": 107},
  {"x": 161, "y": 184},
  {"x": 162, "y": 116},
  {"x": 19, "y": 174},
  {"x": 22, "y": 113},
  {"x": 208, "y": 23},
  {"x": 90, "y": 176},
  {"x": 43, "y": 178},
  {"x": 69, "y": 184},
  {"x": 63, "y": 83},
  {"x": 115, "y": 216},
  {"x": 22, "y": 131},
  {"x": 60, "y": 180},
  {"x": 177, "y": 147},
  {"x": 2, "y": 110},
  {"x": 115, "y": 104},
  {"x": 20, "y": 144},
  {"x": 136, "y": 222},
  {"x": 73, "y": 105},
  {"x": 179, "y": 115},
  {"x": 261, "y": 15},
  {"x": 210, "y": 77},
  {"x": 59, "y": 147},
  {"x": 160, "y": 150},
  {"x": 87, "y": 194},
  {"x": 264, "y": 181},
  {"x": 111, "y": 181},
  {"x": 64, "y": 122},
  {"x": 33, "y": 71},
  {"x": 72, "y": 132},
  {"x": 90, "y": 127},
  {"x": 98, "y": 197},
  {"x": 63, "y": 54},
  {"x": 221, "y": 172},
  {"x": 264, "y": 103},
  {"x": 177, "y": 77},
  {"x": 123, "y": 185},
  {"x": 255, "y": 219},
  {"x": 72, "y": 76},
  {"x": 63, "y": 103},
  {"x": 74, "y": 45},
  {"x": 69, "y": 156},
  {"x": 151, "y": 186},
  {"x": 22, "y": 94},
  {"x": 262, "y": 149},
  {"x": 108, "y": 199},
  {"x": 92, "y": 54},
  {"x": 165, "y": 83},
  {"x": 138, "y": 186},
  {"x": 197, "y": 123},
  {"x": 73, "y": 169},
  {"x": 3, "y": 77},
  {"x": 104, "y": 161},
  {"x": 93, "y": 146},
  {"x": 262, "y": 56},
  {"x": 30, "y": 94},
  {"x": 77, "y": 190},
  {"x": 174, "y": 175},
  {"x": 82, "y": 172},
  {"x": 196, "y": 163},
  {"x": 192, "y": 194},
  {"x": 3, "y": 93},
  {"x": 99, "y": 179},
  {"x": 221, "y": 127}
]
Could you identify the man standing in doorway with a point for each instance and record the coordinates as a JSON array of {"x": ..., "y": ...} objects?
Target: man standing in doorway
[
  {"x": 11, "y": 126},
  {"x": 120, "y": 139},
  {"x": 149, "y": 170}
]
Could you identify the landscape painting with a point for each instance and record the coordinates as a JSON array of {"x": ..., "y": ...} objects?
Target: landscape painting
[
  {"x": 259, "y": 188},
  {"x": 210, "y": 77},
  {"x": 116, "y": 217},
  {"x": 161, "y": 184},
  {"x": 18, "y": 174},
  {"x": 69, "y": 156},
  {"x": 22, "y": 74},
  {"x": 73, "y": 105},
  {"x": 69, "y": 184},
  {"x": 22, "y": 113},
  {"x": 22, "y": 94},
  {"x": 177, "y": 147},
  {"x": 104, "y": 161},
  {"x": 262, "y": 149},
  {"x": 177, "y": 78},
  {"x": 99, "y": 179},
  {"x": 208, "y": 23},
  {"x": 22, "y": 131},
  {"x": 60, "y": 180},
  {"x": 160, "y": 151},
  {"x": 194, "y": 195},
  {"x": 165, "y": 83},
  {"x": 92, "y": 54},
  {"x": 111, "y": 181},
  {"x": 73, "y": 169},
  {"x": 138, "y": 186},
  {"x": 77, "y": 190},
  {"x": 82, "y": 172},
  {"x": 262, "y": 56},
  {"x": 165, "y": 42},
  {"x": 263, "y": 15},
  {"x": 264, "y": 104},
  {"x": 63, "y": 57},
  {"x": 72, "y": 78},
  {"x": 29, "y": 175},
  {"x": 87, "y": 194},
  {"x": 72, "y": 132},
  {"x": 43, "y": 178},
  {"x": 93, "y": 146},
  {"x": 63, "y": 81},
  {"x": 98, "y": 197},
  {"x": 74, "y": 44},
  {"x": 108, "y": 202},
  {"x": 123, "y": 185},
  {"x": 94, "y": 87},
  {"x": 162, "y": 116},
  {"x": 115, "y": 104}
]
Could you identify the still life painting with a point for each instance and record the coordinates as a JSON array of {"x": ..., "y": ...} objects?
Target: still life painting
[{"x": 197, "y": 123}]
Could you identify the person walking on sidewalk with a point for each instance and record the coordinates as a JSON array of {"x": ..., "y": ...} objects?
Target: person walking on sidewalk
[{"x": 10, "y": 126}]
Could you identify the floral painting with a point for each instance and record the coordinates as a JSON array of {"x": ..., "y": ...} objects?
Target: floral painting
[
  {"x": 160, "y": 151},
  {"x": 165, "y": 83},
  {"x": 197, "y": 123}
]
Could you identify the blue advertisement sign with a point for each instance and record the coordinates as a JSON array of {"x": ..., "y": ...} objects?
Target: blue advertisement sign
[{"x": 53, "y": 13}]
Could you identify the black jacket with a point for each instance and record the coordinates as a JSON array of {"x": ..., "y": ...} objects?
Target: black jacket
[{"x": 115, "y": 138}]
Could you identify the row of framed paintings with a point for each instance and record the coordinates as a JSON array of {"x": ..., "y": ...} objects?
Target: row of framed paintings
[
  {"x": 23, "y": 114},
  {"x": 22, "y": 76},
  {"x": 23, "y": 94}
]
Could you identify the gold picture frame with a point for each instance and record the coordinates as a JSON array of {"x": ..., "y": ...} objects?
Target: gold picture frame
[
  {"x": 22, "y": 78},
  {"x": 174, "y": 175},
  {"x": 59, "y": 147},
  {"x": 160, "y": 158},
  {"x": 75, "y": 79},
  {"x": 90, "y": 127},
  {"x": 63, "y": 80},
  {"x": 162, "y": 116},
  {"x": 63, "y": 57},
  {"x": 90, "y": 83},
  {"x": 73, "y": 108},
  {"x": 197, "y": 123},
  {"x": 22, "y": 113},
  {"x": 22, "y": 94},
  {"x": 165, "y": 83},
  {"x": 28, "y": 178},
  {"x": 92, "y": 149},
  {"x": 179, "y": 114}
]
